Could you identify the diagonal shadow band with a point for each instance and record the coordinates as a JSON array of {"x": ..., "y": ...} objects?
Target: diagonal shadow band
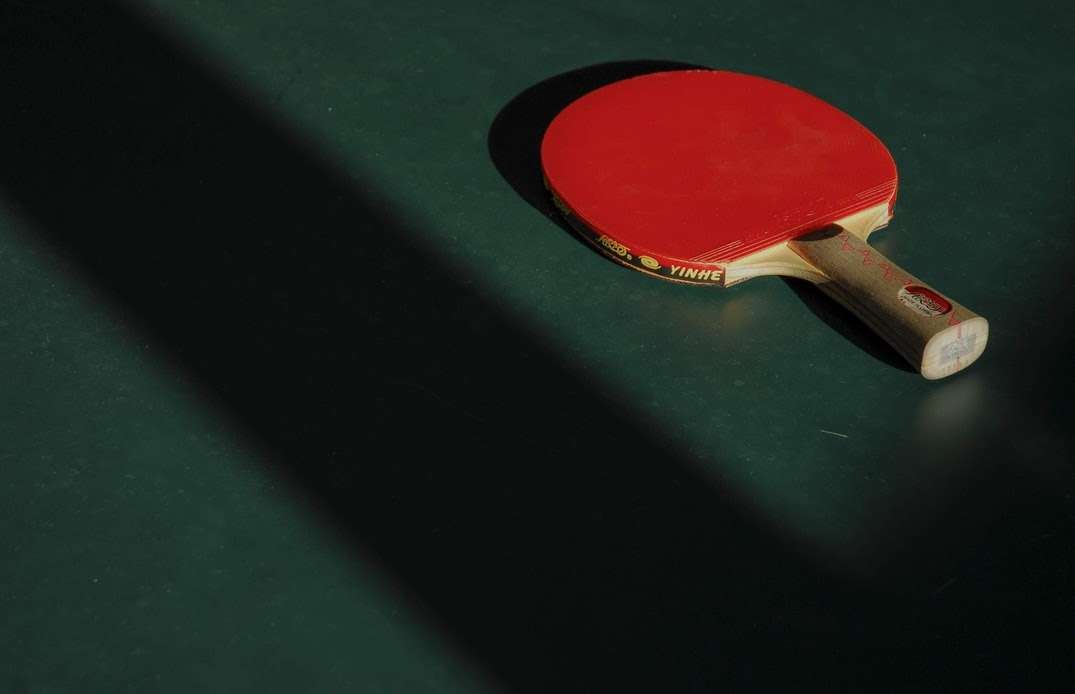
[{"x": 539, "y": 524}]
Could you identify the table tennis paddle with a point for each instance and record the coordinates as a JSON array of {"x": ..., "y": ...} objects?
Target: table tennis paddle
[{"x": 715, "y": 177}]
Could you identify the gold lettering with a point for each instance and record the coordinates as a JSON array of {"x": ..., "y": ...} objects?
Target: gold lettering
[
  {"x": 614, "y": 246},
  {"x": 691, "y": 273},
  {"x": 677, "y": 270}
]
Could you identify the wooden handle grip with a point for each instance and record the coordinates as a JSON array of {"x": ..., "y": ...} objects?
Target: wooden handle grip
[{"x": 935, "y": 334}]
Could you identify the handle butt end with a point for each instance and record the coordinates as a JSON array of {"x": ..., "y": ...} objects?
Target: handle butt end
[{"x": 955, "y": 348}]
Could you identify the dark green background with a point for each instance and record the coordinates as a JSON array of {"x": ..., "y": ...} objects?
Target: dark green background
[{"x": 303, "y": 387}]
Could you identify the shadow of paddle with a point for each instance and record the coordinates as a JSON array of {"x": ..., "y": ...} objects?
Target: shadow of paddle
[{"x": 832, "y": 314}]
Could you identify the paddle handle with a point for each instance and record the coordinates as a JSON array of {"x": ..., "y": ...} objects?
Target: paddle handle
[{"x": 932, "y": 332}]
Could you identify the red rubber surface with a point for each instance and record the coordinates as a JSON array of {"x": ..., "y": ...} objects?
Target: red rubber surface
[{"x": 706, "y": 166}]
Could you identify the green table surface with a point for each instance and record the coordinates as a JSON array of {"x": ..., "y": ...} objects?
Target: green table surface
[{"x": 305, "y": 388}]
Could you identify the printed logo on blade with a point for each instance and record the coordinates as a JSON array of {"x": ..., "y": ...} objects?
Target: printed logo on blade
[
  {"x": 924, "y": 301},
  {"x": 690, "y": 273},
  {"x": 615, "y": 247}
]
